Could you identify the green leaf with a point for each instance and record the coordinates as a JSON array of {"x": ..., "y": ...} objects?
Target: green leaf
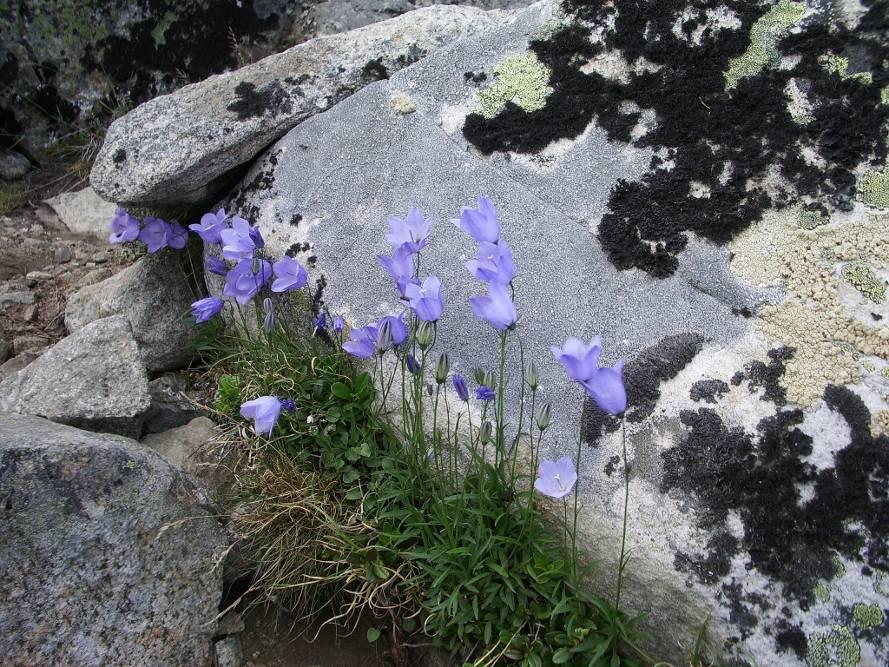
[
  {"x": 340, "y": 390},
  {"x": 373, "y": 634},
  {"x": 350, "y": 474},
  {"x": 354, "y": 494},
  {"x": 561, "y": 656},
  {"x": 408, "y": 625}
]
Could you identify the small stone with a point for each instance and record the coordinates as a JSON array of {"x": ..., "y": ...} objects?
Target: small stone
[
  {"x": 16, "y": 297},
  {"x": 13, "y": 165},
  {"x": 30, "y": 314},
  {"x": 15, "y": 364},
  {"x": 229, "y": 653},
  {"x": 63, "y": 255},
  {"x": 28, "y": 344},
  {"x": 100, "y": 258},
  {"x": 83, "y": 212},
  {"x": 38, "y": 276},
  {"x": 230, "y": 624},
  {"x": 5, "y": 351}
]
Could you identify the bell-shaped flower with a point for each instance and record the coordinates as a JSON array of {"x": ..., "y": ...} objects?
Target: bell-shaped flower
[
  {"x": 205, "y": 309},
  {"x": 339, "y": 324},
  {"x": 216, "y": 265},
  {"x": 256, "y": 237},
  {"x": 400, "y": 267},
  {"x": 264, "y": 411},
  {"x": 497, "y": 308},
  {"x": 237, "y": 241},
  {"x": 397, "y": 328},
  {"x": 413, "y": 366},
  {"x": 481, "y": 223},
  {"x": 242, "y": 282},
  {"x": 493, "y": 264},
  {"x": 210, "y": 226},
  {"x": 154, "y": 233},
  {"x": 320, "y": 322},
  {"x": 581, "y": 360},
  {"x": 556, "y": 478},
  {"x": 484, "y": 393},
  {"x": 177, "y": 236},
  {"x": 289, "y": 275},
  {"x": 426, "y": 299},
  {"x": 607, "y": 389},
  {"x": 411, "y": 231},
  {"x": 123, "y": 227},
  {"x": 460, "y": 387},
  {"x": 362, "y": 342}
]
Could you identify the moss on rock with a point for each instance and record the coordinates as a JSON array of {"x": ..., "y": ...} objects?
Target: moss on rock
[
  {"x": 522, "y": 80},
  {"x": 764, "y": 35}
]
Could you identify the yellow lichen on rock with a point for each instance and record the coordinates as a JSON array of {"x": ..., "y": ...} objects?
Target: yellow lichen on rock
[{"x": 812, "y": 318}]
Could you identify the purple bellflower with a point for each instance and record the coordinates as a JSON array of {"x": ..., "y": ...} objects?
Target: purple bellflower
[
  {"x": 123, "y": 227},
  {"x": 411, "y": 231},
  {"x": 494, "y": 263},
  {"x": 426, "y": 299},
  {"x": 413, "y": 365},
  {"x": 205, "y": 309},
  {"x": 497, "y": 308},
  {"x": 607, "y": 389},
  {"x": 264, "y": 411},
  {"x": 397, "y": 327},
  {"x": 154, "y": 234},
  {"x": 256, "y": 237},
  {"x": 289, "y": 275},
  {"x": 339, "y": 324},
  {"x": 400, "y": 267},
  {"x": 216, "y": 265},
  {"x": 210, "y": 226},
  {"x": 481, "y": 223},
  {"x": 287, "y": 405},
  {"x": 556, "y": 478},
  {"x": 581, "y": 360},
  {"x": 460, "y": 387},
  {"x": 177, "y": 236},
  {"x": 237, "y": 242},
  {"x": 363, "y": 342},
  {"x": 484, "y": 393},
  {"x": 242, "y": 283},
  {"x": 320, "y": 321}
]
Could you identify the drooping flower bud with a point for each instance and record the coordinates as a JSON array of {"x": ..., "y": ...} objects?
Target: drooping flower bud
[
  {"x": 384, "y": 337},
  {"x": 268, "y": 322},
  {"x": 442, "y": 368},
  {"x": 486, "y": 431},
  {"x": 425, "y": 334},
  {"x": 460, "y": 387},
  {"x": 532, "y": 377},
  {"x": 545, "y": 416},
  {"x": 490, "y": 380},
  {"x": 413, "y": 365},
  {"x": 479, "y": 376}
]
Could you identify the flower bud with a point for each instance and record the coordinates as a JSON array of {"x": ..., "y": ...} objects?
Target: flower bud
[
  {"x": 268, "y": 322},
  {"x": 428, "y": 389},
  {"x": 485, "y": 432},
  {"x": 413, "y": 365},
  {"x": 384, "y": 337},
  {"x": 532, "y": 377},
  {"x": 257, "y": 265},
  {"x": 442, "y": 368},
  {"x": 338, "y": 323},
  {"x": 545, "y": 416},
  {"x": 460, "y": 387},
  {"x": 479, "y": 376},
  {"x": 490, "y": 380},
  {"x": 425, "y": 334}
]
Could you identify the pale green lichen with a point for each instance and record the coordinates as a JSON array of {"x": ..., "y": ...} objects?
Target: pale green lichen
[
  {"x": 866, "y": 281},
  {"x": 864, "y": 78},
  {"x": 884, "y": 95},
  {"x": 160, "y": 30},
  {"x": 822, "y": 592},
  {"x": 837, "y": 648},
  {"x": 764, "y": 35},
  {"x": 868, "y": 365},
  {"x": 886, "y": 372},
  {"x": 812, "y": 219},
  {"x": 835, "y": 65},
  {"x": 402, "y": 104},
  {"x": 873, "y": 188},
  {"x": 880, "y": 577},
  {"x": 839, "y": 569},
  {"x": 522, "y": 80},
  {"x": 868, "y": 616}
]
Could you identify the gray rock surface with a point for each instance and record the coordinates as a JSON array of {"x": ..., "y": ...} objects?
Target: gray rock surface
[
  {"x": 704, "y": 348},
  {"x": 13, "y": 165},
  {"x": 15, "y": 364},
  {"x": 187, "y": 447},
  {"x": 94, "y": 379},
  {"x": 177, "y": 147},
  {"x": 154, "y": 295},
  {"x": 108, "y": 554},
  {"x": 229, "y": 652},
  {"x": 168, "y": 407},
  {"x": 83, "y": 212}
]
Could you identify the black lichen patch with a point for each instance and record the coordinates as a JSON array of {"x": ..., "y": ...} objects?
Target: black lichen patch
[
  {"x": 759, "y": 476},
  {"x": 611, "y": 466},
  {"x": 717, "y": 562},
  {"x": 791, "y": 638},
  {"x": 725, "y": 141},
  {"x": 252, "y": 102},
  {"x": 767, "y": 376},
  {"x": 642, "y": 377},
  {"x": 295, "y": 220},
  {"x": 264, "y": 179},
  {"x": 119, "y": 156},
  {"x": 475, "y": 77},
  {"x": 375, "y": 70},
  {"x": 709, "y": 391}
]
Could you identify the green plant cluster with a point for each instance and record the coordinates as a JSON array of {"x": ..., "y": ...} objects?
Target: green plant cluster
[{"x": 338, "y": 517}]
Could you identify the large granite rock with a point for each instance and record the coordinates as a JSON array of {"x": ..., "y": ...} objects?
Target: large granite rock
[
  {"x": 155, "y": 296},
  {"x": 177, "y": 147},
  {"x": 108, "y": 554},
  {"x": 83, "y": 212},
  {"x": 94, "y": 379},
  {"x": 759, "y": 474}
]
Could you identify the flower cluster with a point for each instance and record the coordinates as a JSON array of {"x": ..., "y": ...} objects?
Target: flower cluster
[
  {"x": 604, "y": 385},
  {"x": 155, "y": 233}
]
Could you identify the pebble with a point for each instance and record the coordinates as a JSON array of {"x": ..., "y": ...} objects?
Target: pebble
[
  {"x": 22, "y": 344},
  {"x": 5, "y": 351},
  {"x": 38, "y": 275},
  {"x": 30, "y": 314},
  {"x": 63, "y": 254},
  {"x": 9, "y": 298}
]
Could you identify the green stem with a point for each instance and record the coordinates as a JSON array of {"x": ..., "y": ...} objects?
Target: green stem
[
  {"x": 500, "y": 439},
  {"x": 623, "y": 537}
]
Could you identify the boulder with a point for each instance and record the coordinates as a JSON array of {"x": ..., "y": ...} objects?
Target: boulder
[
  {"x": 83, "y": 212},
  {"x": 755, "y": 365},
  {"x": 169, "y": 408},
  {"x": 13, "y": 166},
  {"x": 155, "y": 296},
  {"x": 94, "y": 379},
  {"x": 188, "y": 448},
  {"x": 108, "y": 553},
  {"x": 178, "y": 148}
]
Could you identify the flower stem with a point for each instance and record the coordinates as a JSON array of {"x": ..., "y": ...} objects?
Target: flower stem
[{"x": 623, "y": 537}]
